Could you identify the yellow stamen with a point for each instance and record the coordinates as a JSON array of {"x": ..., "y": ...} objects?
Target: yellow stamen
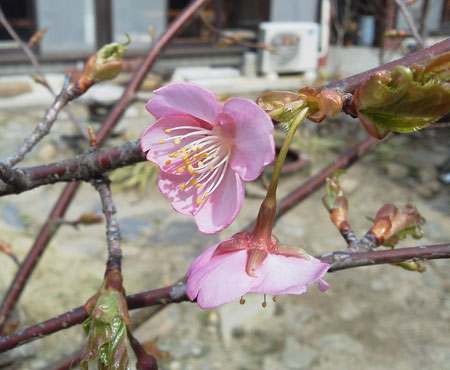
[
  {"x": 168, "y": 162},
  {"x": 173, "y": 155},
  {"x": 191, "y": 169},
  {"x": 176, "y": 141},
  {"x": 200, "y": 164},
  {"x": 205, "y": 195},
  {"x": 182, "y": 186},
  {"x": 199, "y": 201},
  {"x": 179, "y": 170},
  {"x": 167, "y": 131},
  {"x": 198, "y": 185},
  {"x": 211, "y": 168},
  {"x": 161, "y": 142}
]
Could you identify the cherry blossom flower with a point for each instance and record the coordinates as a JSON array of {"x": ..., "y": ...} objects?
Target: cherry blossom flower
[
  {"x": 234, "y": 267},
  {"x": 205, "y": 151}
]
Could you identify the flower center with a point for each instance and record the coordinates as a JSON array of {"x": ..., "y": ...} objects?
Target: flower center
[{"x": 206, "y": 157}]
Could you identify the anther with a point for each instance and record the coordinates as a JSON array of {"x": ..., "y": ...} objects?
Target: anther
[
  {"x": 264, "y": 304},
  {"x": 176, "y": 141},
  {"x": 167, "y": 131},
  {"x": 182, "y": 186},
  {"x": 179, "y": 170},
  {"x": 168, "y": 162},
  {"x": 199, "y": 200},
  {"x": 242, "y": 300},
  {"x": 190, "y": 169},
  {"x": 274, "y": 298},
  {"x": 161, "y": 142}
]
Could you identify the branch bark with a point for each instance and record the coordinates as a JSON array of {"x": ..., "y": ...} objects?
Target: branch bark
[
  {"x": 177, "y": 293},
  {"x": 81, "y": 168},
  {"x": 349, "y": 84},
  {"x": 43, "y": 128}
]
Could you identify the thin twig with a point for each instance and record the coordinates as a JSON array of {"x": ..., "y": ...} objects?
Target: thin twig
[
  {"x": 177, "y": 293},
  {"x": 34, "y": 61},
  {"x": 112, "y": 226},
  {"x": 43, "y": 127},
  {"x": 17, "y": 285},
  {"x": 401, "y": 5}
]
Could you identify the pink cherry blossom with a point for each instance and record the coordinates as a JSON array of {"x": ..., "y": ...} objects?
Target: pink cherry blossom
[
  {"x": 205, "y": 151},
  {"x": 230, "y": 269}
]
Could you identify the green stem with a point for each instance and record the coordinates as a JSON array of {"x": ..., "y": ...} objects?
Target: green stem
[
  {"x": 272, "y": 190},
  {"x": 262, "y": 232}
]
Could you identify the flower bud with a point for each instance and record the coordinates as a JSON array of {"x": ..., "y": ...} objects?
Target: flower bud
[
  {"x": 401, "y": 224},
  {"x": 105, "y": 65},
  {"x": 285, "y": 106}
]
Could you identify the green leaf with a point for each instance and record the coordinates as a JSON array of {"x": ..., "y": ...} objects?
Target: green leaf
[
  {"x": 106, "y": 329},
  {"x": 406, "y": 99}
]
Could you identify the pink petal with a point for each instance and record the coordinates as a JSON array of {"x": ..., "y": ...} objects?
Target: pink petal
[
  {"x": 159, "y": 153},
  {"x": 220, "y": 280},
  {"x": 323, "y": 285},
  {"x": 254, "y": 145},
  {"x": 222, "y": 206},
  {"x": 182, "y": 201},
  {"x": 181, "y": 97},
  {"x": 287, "y": 275},
  {"x": 204, "y": 257}
]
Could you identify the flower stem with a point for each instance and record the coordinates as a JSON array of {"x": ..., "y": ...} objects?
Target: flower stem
[
  {"x": 262, "y": 232},
  {"x": 272, "y": 190}
]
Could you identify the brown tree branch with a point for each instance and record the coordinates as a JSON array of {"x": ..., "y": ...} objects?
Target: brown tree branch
[
  {"x": 112, "y": 226},
  {"x": 84, "y": 167},
  {"x": 62, "y": 204},
  {"x": 349, "y": 84},
  {"x": 314, "y": 183},
  {"x": 177, "y": 293}
]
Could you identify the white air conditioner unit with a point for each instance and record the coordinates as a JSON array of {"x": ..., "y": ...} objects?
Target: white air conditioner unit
[{"x": 295, "y": 47}]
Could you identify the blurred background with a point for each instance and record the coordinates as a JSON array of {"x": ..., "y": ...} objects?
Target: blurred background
[{"x": 380, "y": 317}]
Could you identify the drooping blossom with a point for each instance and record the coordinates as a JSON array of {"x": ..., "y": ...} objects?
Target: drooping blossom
[
  {"x": 205, "y": 151},
  {"x": 234, "y": 267}
]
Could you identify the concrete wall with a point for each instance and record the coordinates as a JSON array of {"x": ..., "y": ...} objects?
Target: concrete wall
[{"x": 294, "y": 11}]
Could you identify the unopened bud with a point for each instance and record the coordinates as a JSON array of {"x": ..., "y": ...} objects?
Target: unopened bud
[
  {"x": 105, "y": 65},
  {"x": 90, "y": 218},
  {"x": 37, "y": 37},
  {"x": 411, "y": 266},
  {"x": 282, "y": 106}
]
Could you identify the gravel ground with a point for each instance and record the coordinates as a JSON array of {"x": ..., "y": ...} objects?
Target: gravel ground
[{"x": 371, "y": 318}]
